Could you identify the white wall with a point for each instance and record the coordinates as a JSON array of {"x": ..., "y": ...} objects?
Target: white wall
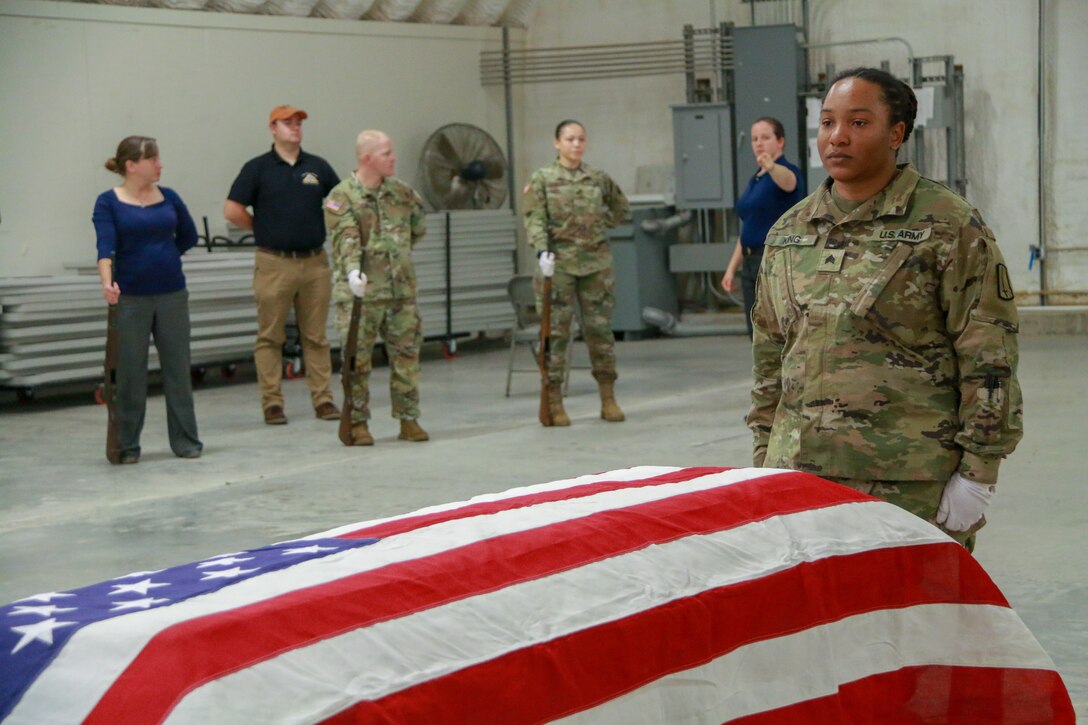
[
  {"x": 995, "y": 40},
  {"x": 1066, "y": 170},
  {"x": 75, "y": 79}
]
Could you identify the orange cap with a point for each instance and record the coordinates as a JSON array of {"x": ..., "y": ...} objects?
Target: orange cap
[{"x": 280, "y": 113}]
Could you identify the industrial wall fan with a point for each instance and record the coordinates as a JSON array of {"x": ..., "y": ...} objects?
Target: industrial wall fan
[{"x": 463, "y": 168}]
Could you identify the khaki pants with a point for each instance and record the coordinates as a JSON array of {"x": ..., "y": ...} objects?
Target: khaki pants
[
  {"x": 921, "y": 498},
  {"x": 280, "y": 283}
]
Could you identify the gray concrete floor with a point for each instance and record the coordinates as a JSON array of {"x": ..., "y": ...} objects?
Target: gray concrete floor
[{"x": 69, "y": 519}]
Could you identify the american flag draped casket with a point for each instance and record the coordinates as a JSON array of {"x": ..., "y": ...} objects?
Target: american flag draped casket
[{"x": 645, "y": 595}]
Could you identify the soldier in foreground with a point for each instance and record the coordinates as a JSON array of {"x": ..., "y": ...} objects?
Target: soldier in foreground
[
  {"x": 568, "y": 206},
  {"x": 884, "y": 327},
  {"x": 376, "y": 219}
]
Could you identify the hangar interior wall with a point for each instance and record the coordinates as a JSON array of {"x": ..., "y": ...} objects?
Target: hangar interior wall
[
  {"x": 75, "y": 79},
  {"x": 995, "y": 40}
]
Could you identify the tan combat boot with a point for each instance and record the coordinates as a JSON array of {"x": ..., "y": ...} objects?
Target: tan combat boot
[
  {"x": 410, "y": 431},
  {"x": 610, "y": 410},
  {"x": 555, "y": 405},
  {"x": 360, "y": 435}
]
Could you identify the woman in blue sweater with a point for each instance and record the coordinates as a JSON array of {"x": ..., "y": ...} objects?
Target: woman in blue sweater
[
  {"x": 776, "y": 187},
  {"x": 143, "y": 229}
]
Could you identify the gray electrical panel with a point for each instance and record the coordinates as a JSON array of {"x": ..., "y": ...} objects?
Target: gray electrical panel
[
  {"x": 703, "y": 151},
  {"x": 768, "y": 75},
  {"x": 640, "y": 262}
]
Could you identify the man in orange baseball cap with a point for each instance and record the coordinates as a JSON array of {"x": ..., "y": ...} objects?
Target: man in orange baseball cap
[{"x": 285, "y": 188}]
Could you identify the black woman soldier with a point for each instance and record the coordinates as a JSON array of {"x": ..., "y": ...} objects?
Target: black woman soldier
[{"x": 885, "y": 324}]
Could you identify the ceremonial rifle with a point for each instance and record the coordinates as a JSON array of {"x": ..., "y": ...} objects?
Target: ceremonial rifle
[
  {"x": 349, "y": 353},
  {"x": 545, "y": 412},
  {"x": 109, "y": 382}
]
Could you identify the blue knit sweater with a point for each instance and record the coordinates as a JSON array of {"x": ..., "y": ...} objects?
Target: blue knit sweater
[{"x": 148, "y": 241}]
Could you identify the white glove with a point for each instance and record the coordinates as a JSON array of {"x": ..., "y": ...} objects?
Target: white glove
[
  {"x": 547, "y": 263},
  {"x": 357, "y": 282},
  {"x": 963, "y": 503}
]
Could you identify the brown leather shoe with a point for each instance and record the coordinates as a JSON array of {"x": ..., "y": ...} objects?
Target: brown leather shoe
[
  {"x": 360, "y": 435},
  {"x": 327, "y": 411},
  {"x": 410, "y": 431},
  {"x": 274, "y": 415}
]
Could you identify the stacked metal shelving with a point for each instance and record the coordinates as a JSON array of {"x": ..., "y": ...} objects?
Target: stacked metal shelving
[{"x": 52, "y": 329}]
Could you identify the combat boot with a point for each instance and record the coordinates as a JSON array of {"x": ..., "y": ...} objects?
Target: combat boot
[
  {"x": 410, "y": 431},
  {"x": 555, "y": 405},
  {"x": 610, "y": 410},
  {"x": 360, "y": 435}
]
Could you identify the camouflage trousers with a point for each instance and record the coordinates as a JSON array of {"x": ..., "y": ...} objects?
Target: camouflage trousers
[
  {"x": 397, "y": 321},
  {"x": 921, "y": 498},
  {"x": 595, "y": 296}
]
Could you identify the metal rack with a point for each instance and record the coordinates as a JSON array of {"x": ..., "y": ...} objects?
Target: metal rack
[{"x": 52, "y": 329}]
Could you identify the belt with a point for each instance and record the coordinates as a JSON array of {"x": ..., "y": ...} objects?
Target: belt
[
  {"x": 292, "y": 253},
  {"x": 750, "y": 251}
]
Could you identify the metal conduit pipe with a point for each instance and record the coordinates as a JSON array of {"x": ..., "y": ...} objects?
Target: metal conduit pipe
[
  {"x": 508, "y": 104},
  {"x": 619, "y": 57},
  {"x": 667, "y": 323},
  {"x": 891, "y": 39},
  {"x": 659, "y": 226},
  {"x": 574, "y": 64},
  {"x": 589, "y": 76},
  {"x": 1040, "y": 154},
  {"x": 603, "y": 61}
]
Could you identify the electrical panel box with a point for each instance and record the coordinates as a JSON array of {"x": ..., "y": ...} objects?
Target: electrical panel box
[
  {"x": 703, "y": 152},
  {"x": 768, "y": 75}
]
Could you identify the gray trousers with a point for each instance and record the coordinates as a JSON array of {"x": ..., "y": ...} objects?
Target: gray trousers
[{"x": 166, "y": 317}]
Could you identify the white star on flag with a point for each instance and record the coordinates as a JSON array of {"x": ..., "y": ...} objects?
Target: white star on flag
[
  {"x": 140, "y": 587},
  {"x": 41, "y": 631},
  {"x": 137, "y": 604},
  {"x": 46, "y": 611},
  {"x": 44, "y": 597},
  {"x": 225, "y": 561},
  {"x": 308, "y": 550},
  {"x": 228, "y": 573},
  {"x": 135, "y": 574}
]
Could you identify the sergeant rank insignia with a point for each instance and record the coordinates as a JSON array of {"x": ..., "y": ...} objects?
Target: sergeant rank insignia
[{"x": 832, "y": 260}]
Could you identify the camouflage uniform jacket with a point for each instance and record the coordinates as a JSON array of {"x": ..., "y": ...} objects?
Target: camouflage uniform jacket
[
  {"x": 351, "y": 208},
  {"x": 885, "y": 339},
  {"x": 581, "y": 203}
]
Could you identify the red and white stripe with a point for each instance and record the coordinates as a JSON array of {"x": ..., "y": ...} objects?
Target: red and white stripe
[{"x": 645, "y": 595}]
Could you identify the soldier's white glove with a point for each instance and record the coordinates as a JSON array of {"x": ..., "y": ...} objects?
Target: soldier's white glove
[
  {"x": 547, "y": 263},
  {"x": 357, "y": 282},
  {"x": 963, "y": 503}
]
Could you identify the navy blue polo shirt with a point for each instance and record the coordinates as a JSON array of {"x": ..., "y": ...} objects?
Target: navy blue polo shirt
[
  {"x": 286, "y": 199},
  {"x": 762, "y": 203}
]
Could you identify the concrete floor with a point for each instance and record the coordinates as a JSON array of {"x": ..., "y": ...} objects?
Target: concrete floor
[{"x": 69, "y": 519}]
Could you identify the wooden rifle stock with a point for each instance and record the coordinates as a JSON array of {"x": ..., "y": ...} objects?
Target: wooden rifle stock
[
  {"x": 349, "y": 353},
  {"x": 347, "y": 369},
  {"x": 109, "y": 382},
  {"x": 545, "y": 413}
]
